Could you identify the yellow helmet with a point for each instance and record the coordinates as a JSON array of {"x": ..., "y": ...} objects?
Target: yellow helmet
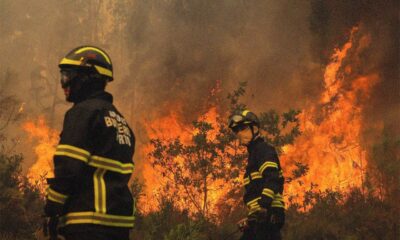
[{"x": 89, "y": 57}]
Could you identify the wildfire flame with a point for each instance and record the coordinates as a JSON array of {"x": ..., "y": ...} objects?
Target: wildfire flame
[
  {"x": 167, "y": 128},
  {"x": 47, "y": 140},
  {"x": 331, "y": 129},
  {"x": 330, "y": 142}
]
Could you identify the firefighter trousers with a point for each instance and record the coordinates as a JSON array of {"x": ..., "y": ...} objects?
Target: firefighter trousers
[
  {"x": 262, "y": 231},
  {"x": 93, "y": 235}
]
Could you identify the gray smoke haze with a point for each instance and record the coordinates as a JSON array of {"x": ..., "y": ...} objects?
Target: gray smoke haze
[
  {"x": 183, "y": 47},
  {"x": 170, "y": 53}
]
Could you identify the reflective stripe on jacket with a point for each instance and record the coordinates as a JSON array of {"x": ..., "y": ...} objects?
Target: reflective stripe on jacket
[
  {"x": 263, "y": 179},
  {"x": 92, "y": 166}
]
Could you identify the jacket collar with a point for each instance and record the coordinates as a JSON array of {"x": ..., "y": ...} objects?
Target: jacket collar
[
  {"x": 252, "y": 144},
  {"x": 103, "y": 95}
]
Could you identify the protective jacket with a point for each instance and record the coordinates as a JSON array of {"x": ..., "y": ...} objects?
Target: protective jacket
[
  {"x": 263, "y": 179},
  {"x": 92, "y": 167}
]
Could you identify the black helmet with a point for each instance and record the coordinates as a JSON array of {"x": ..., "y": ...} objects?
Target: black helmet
[
  {"x": 240, "y": 119},
  {"x": 89, "y": 57}
]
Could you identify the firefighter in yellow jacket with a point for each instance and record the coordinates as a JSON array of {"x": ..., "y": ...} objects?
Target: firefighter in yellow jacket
[
  {"x": 263, "y": 181},
  {"x": 93, "y": 160}
]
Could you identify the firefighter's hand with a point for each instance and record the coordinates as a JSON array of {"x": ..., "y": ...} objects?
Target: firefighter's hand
[
  {"x": 262, "y": 213},
  {"x": 243, "y": 224},
  {"x": 258, "y": 216},
  {"x": 50, "y": 228},
  {"x": 52, "y": 209}
]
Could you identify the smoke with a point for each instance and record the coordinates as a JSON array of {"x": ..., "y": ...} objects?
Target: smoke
[
  {"x": 34, "y": 37},
  {"x": 181, "y": 48},
  {"x": 169, "y": 54}
]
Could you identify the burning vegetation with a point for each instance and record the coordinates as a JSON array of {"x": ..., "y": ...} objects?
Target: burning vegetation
[
  {"x": 331, "y": 139},
  {"x": 335, "y": 62},
  {"x": 46, "y": 141},
  {"x": 329, "y": 150}
]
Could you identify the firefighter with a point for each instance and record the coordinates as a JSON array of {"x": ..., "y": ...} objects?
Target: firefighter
[
  {"x": 263, "y": 181},
  {"x": 89, "y": 197}
]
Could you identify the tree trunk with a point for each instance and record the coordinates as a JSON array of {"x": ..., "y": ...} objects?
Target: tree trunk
[{"x": 205, "y": 195}]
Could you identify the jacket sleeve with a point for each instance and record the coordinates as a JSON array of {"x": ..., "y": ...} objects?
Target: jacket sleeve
[
  {"x": 269, "y": 170},
  {"x": 72, "y": 154}
]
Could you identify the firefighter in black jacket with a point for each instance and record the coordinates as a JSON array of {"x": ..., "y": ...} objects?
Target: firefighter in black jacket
[
  {"x": 93, "y": 160},
  {"x": 263, "y": 181}
]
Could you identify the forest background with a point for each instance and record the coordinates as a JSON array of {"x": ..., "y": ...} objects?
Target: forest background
[{"x": 322, "y": 75}]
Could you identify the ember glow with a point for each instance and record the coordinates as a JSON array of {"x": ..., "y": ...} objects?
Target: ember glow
[
  {"x": 331, "y": 129},
  {"x": 46, "y": 140}
]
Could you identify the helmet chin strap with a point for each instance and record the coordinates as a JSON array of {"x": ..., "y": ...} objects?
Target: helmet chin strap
[
  {"x": 77, "y": 88},
  {"x": 83, "y": 86},
  {"x": 254, "y": 135}
]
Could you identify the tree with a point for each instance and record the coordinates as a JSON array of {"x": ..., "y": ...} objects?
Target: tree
[
  {"x": 200, "y": 167},
  {"x": 20, "y": 201},
  {"x": 9, "y": 104}
]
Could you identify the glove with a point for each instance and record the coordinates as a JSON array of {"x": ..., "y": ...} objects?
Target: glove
[
  {"x": 50, "y": 228},
  {"x": 255, "y": 217},
  {"x": 243, "y": 224},
  {"x": 258, "y": 216},
  {"x": 53, "y": 209},
  {"x": 278, "y": 219},
  {"x": 53, "y": 222}
]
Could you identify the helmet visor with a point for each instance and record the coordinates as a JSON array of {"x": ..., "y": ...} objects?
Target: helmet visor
[
  {"x": 67, "y": 75},
  {"x": 235, "y": 121},
  {"x": 239, "y": 128}
]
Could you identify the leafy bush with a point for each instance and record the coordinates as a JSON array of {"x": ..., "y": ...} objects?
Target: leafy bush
[{"x": 20, "y": 202}]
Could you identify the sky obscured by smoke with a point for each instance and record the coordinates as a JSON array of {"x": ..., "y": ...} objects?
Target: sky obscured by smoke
[{"x": 186, "y": 46}]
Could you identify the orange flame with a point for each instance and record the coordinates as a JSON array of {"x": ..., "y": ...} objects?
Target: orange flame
[
  {"x": 47, "y": 139},
  {"x": 330, "y": 142},
  {"x": 167, "y": 128},
  {"x": 331, "y": 130}
]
